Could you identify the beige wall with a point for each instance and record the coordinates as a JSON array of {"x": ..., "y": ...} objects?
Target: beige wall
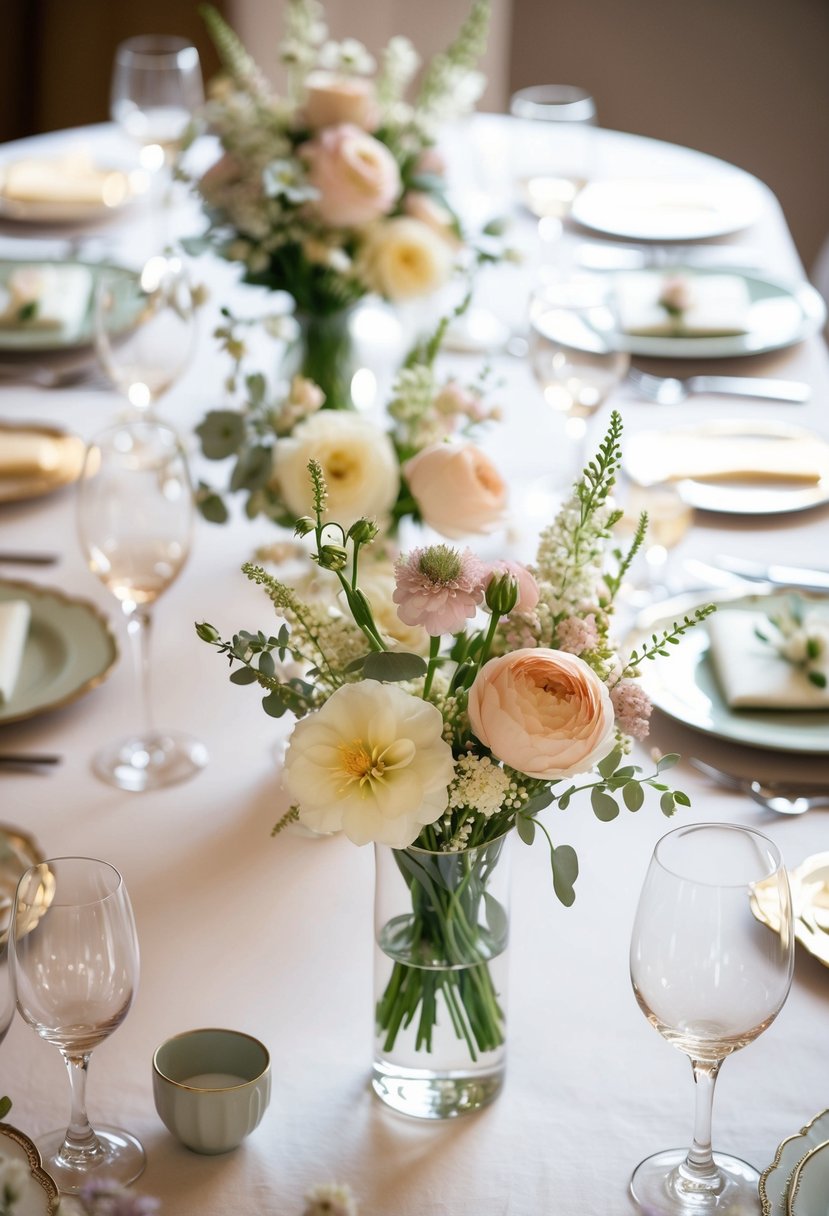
[{"x": 747, "y": 80}]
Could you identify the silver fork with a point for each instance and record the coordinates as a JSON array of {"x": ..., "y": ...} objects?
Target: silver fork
[
  {"x": 666, "y": 390},
  {"x": 783, "y": 798}
]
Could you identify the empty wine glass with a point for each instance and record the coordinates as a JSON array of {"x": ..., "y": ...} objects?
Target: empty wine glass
[
  {"x": 145, "y": 328},
  {"x": 135, "y": 519},
  {"x": 6, "y": 987},
  {"x": 573, "y": 352},
  {"x": 75, "y": 959},
  {"x": 553, "y": 149},
  {"x": 710, "y": 978},
  {"x": 156, "y": 88},
  {"x": 670, "y": 518}
]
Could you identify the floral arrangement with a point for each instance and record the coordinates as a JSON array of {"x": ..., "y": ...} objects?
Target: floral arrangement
[
  {"x": 336, "y": 189},
  {"x": 523, "y": 690},
  {"x": 800, "y": 635},
  {"x": 407, "y": 469}
]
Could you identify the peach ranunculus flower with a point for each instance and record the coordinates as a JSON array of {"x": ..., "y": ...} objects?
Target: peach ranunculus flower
[
  {"x": 372, "y": 762},
  {"x": 543, "y": 712},
  {"x": 457, "y": 488},
  {"x": 358, "y": 462},
  {"x": 356, "y": 176},
  {"x": 332, "y": 98},
  {"x": 403, "y": 258}
]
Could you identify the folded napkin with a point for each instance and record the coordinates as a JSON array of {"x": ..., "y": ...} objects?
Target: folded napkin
[
  {"x": 672, "y": 456},
  {"x": 71, "y": 179},
  {"x": 14, "y": 627},
  {"x": 751, "y": 674},
  {"x": 26, "y": 453},
  {"x": 46, "y": 297},
  {"x": 717, "y": 305}
]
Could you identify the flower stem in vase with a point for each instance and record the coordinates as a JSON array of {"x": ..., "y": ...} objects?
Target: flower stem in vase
[{"x": 325, "y": 354}]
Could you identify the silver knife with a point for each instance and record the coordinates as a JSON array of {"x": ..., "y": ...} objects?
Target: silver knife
[{"x": 781, "y": 576}]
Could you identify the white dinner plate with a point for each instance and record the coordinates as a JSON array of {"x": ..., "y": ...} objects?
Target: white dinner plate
[
  {"x": 780, "y": 314},
  {"x": 749, "y": 477},
  {"x": 70, "y": 649},
  {"x": 35, "y": 342},
  {"x": 683, "y": 684},
  {"x": 774, "y": 1181},
  {"x": 659, "y": 209}
]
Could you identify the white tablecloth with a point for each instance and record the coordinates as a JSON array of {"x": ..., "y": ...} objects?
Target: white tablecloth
[{"x": 274, "y": 937}]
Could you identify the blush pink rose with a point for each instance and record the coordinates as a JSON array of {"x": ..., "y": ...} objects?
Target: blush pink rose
[
  {"x": 543, "y": 712},
  {"x": 331, "y": 99},
  {"x": 457, "y": 488},
  {"x": 357, "y": 177}
]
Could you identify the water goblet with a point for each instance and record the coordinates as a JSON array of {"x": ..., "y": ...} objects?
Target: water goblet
[
  {"x": 553, "y": 148},
  {"x": 670, "y": 518},
  {"x": 573, "y": 351},
  {"x": 135, "y": 518},
  {"x": 145, "y": 329},
  {"x": 710, "y": 978},
  {"x": 74, "y": 954}
]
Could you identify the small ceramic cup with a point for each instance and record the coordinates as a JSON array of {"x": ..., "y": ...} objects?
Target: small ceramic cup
[{"x": 211, "y": 1087}]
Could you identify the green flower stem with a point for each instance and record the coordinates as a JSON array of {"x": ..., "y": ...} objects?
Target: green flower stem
[
  {"x": 490, "y": 634},
  {"x": 434, "y": 650}
]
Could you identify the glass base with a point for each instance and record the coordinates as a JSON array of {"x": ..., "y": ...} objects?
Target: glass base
[
  {"x": 662, "y": 1186},
  {"x": 151, "y": 761},
  {"x": 425, "y": 1094},
  {"x": 117, "y": 1157}
]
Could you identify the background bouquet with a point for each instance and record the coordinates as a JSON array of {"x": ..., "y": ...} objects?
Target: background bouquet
[{"x": 439, "y": 758}]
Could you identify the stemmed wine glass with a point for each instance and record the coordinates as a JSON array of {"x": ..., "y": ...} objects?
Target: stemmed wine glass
[
  {"x": 135, "y": 519},
  {"x": 710, "y": 978},
  {"x": 553, "y": 148},
  {"x": 145, "y": 329},
  {"x": 74, "y": 954}
]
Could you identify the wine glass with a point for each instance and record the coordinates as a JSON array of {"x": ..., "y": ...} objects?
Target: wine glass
[
  {"x": 145, "y": 328},
  {"x": 156, "y": 88},
  {"x": 710, "y": 978},
  {"x": 573, "y": 350},
  {"x": 74, "y": 954},
  {"x": 135, "y": 519},
  {"x": 670, "y": 518},
  {"x": 553, "y": 149}
]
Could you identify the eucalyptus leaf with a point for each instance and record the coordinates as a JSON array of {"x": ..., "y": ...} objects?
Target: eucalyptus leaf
[
  {"x": 243, "y": 675},
  {"x": 266, "y": 663},
  {"x": 605, "y": 808},
  {"x": 274, "y": 704},
  {"x": 5, "y": 1107},
  {"x": 633, "y": 795},
  {"x": 565, "y": 872},
  {"x": 253, "y": 469},
  {"x": 538, "y": 802},
  {"x": 525, "y": 828},
  {"x": 393, "y": 666},
  {"x": 667, "y": 761},
  {"x": 221, "y": 433},
  {"x": 212, "y": 508},
  {"x": 681, "y": 799},
  {"x": 496, "y": 917},
  {"x": 607, "y": 766},
  {"x": 667, "y": 804}
]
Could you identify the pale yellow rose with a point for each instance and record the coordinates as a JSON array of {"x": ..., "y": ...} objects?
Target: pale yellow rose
[
  {"x": 356, "y": 177},
  {"x": 457, "y": 488},
  {"x": 332, "y": 99},
  {"x": 543, "y": 712},
  {"x": 357, "y": 459},
  {"x": 372, "y": 762},
  {"x": 404, "y": 258}
]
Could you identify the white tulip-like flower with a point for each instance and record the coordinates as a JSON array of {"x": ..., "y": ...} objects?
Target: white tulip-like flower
[{"x": 371, "y": 762}]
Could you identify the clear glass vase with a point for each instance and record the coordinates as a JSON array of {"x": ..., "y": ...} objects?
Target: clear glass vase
[
  {"x": 440, "y": 975},
  {"x": 324, "y": 352}
]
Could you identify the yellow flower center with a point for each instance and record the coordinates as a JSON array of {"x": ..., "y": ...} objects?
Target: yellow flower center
[{"x": 366, "y": 765}]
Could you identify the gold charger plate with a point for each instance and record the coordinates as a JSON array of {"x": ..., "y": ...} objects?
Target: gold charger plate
[
  {"x": 809, "y": 883},
  {"x": 36, "y": 459},
  {"x": 18, "y": 851},
  {"x": 38, "y": 1194},
  {"x": 70, "y": 649}
]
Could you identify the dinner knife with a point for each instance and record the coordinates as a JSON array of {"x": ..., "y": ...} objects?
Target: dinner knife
[
  {"x": 29, "y": 559},
  {"x": 779, "y": 575}
]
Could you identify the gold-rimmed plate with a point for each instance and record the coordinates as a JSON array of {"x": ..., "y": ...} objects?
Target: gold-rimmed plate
[
  {"x": 36, "y": 1191},
  {"x": 18, "y": 851},
  {"x": 70, "y": 649},
  {"x": 774, "y": 1181},
  {"x": 36, "y": 459}
]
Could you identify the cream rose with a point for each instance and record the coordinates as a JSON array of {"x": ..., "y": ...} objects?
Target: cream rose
[
  {"x": 356, "y": 176},
  {"x": 543, "y": 712},
  {"x": 457, "y": 488},
  {"x": 357, "y": 459},
  {"x": 403, "y": 258},
  {"x": 332, "y": 99},
  {"x": 371, "y": 762}
]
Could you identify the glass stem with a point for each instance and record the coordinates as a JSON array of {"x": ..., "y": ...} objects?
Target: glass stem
[
  {"x": 138, "y": 628},
  {"x": 700, "y": 1160},
  {"x": 80, "y": 1141}
]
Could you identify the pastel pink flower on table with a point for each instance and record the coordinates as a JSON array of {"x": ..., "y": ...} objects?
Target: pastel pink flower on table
[
  {"x": 577, "y": 634},
  {"x": 527, "y": 586},
  {"x": 633, "y": 708},
  {"x": 439, "y": 588},
  {"x": 332, "y": 99},
  {"x": 457, "y": 488},
  {"x": 356, "y": 176},
  {"x": 543, "y": 712}
]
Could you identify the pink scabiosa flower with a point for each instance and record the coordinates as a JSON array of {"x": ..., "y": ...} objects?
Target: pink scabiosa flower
[
  {"x": 577, "y": 634},
  {"x": 439, "y": 588},
  {"x": 632, "y": 707},
  {"x": 527, "y": 586}
]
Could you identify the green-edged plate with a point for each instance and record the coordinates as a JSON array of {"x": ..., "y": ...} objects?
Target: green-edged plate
[
  {"x": 69, "y": 650},
  {"x": 684, "y": 685},
  {"x": 779, "y": 315},
  {"x": 19, "y": 341}
]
